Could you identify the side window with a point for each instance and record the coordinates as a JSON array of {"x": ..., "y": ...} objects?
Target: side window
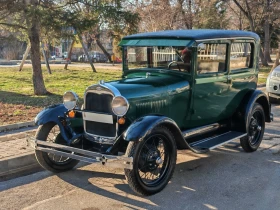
[
  {"x": 211, "y": 58},
  {"x": 241, "y": 56}
]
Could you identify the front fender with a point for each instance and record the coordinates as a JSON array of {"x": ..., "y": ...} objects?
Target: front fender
[
  {"x": 143, "y": 126},
  {"x": 53, "y": 114},
  {"x": 50, "y": 114}
]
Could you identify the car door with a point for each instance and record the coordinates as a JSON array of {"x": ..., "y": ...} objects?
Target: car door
[
  {"x": 211, "y": 93},
  {"x": 243, "y": 63}
]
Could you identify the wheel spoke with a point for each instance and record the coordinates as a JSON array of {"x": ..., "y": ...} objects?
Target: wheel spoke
[{"x": 153, "y": 158}]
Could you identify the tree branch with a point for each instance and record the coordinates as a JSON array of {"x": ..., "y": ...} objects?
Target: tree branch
[{"x": 13, "y": 25}]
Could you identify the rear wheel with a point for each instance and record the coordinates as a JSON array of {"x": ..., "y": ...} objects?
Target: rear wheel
[
  {"x": 255, "y": 129},
  {"x": 154, "y": 160},
  {"x": 56, "y": 163}
]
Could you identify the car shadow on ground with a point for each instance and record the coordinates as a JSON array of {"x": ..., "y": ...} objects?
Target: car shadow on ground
[
  {"x": 179, "y": 185},
  {"x": 29, "y": 100}
]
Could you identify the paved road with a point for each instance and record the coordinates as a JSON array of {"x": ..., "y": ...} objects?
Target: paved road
[{"x": 226, "y": 178}]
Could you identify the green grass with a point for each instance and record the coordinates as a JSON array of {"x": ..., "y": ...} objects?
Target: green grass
[
  {"x": 264, "y": 71},
  {"x": 16, "y": 87}
]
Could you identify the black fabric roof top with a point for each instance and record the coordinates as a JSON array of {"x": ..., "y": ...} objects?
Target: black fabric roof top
[{"x": 196, "y": 34}]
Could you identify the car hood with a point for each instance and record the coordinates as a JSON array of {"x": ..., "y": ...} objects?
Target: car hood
[{"x": 155, "y": 85}]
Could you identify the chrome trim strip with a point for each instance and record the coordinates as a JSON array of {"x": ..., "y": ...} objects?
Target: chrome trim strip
[
  {"x": 111, "y": 88},
  {"x": 100, "y": 139},
  {"x": 95, "y": 117},
  {"x": 115, "y": 91},
  {"x": 200, "y": 130},
  {"x": 218, "y": 145},
  {"x": 82, "y": 155},
  {"x": 231, "y": 38}
]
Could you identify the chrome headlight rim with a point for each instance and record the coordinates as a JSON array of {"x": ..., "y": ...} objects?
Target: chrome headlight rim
[
  {"x": 75, "y": 97},
  {"x": 127, "y": 106}
]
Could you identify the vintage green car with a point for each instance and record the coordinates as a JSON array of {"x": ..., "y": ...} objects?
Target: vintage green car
[{"x": 180, "y": 89}]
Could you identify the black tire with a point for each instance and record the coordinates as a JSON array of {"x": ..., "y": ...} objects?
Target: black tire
[
  {"x": 255, "y": 129},
  {"x": 160, "y": 164},
  {"x": 49, "y": 161}
]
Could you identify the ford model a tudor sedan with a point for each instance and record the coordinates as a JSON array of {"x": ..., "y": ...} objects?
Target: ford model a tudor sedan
[{"x": 184, "y": 89}]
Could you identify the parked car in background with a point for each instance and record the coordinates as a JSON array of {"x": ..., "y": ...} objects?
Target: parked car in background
[
  {"x": 82, "y": 58},
  {"x": 65, "y": 55},
  {"x": 98, "y": 57},
  {"x": 53, "y": 57},
  {"x": 273, "y": 84},
  {"x": 181, "y": 89}
]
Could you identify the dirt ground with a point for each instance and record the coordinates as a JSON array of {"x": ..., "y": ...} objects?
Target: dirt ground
[{"x": 16, "y": 113}]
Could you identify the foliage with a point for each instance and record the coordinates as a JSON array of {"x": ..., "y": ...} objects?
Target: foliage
[{"x": 46, "y": 20}]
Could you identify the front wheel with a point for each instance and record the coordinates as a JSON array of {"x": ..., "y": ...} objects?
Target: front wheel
[
  {"x": 255, "y": 129},
  {"x": 154, "y": 160},
  {"x": 50, "y": 132}
]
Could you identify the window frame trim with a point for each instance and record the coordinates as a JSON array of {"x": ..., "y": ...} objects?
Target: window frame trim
[
  {"x": 225, "y": 41},
  {"x": 252, "y": 57}
]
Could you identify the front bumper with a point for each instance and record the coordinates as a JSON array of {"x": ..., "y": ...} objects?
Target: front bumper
[{"x": 80, "y": 154}]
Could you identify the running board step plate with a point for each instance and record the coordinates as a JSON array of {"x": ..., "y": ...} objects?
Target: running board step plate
[{"x": 216, "y": 141}]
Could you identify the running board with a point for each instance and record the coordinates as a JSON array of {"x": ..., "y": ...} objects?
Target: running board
[{"x": 216, "y": 141}]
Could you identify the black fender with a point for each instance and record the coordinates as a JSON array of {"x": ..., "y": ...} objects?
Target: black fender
[
  {"x": 53, "y": 113},
  {"x": 242, "y": 115},
  {"x": 143, "y": 126}
]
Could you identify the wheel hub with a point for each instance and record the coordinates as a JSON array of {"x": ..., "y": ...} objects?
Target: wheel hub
[{"x": 152, "y": 161}]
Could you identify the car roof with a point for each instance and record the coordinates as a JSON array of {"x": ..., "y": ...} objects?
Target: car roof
[{"x": 195, "y": 34}]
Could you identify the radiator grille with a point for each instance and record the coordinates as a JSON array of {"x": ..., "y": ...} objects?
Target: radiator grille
[
  {"x": 101, "y": 129},
  {"x": 99, "y": 102}
]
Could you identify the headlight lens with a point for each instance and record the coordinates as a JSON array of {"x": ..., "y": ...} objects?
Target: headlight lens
[
  {"x": 120, "y": 106},
  {"x": 70, "y": 100},
  {"x": 275, "y": 75}
]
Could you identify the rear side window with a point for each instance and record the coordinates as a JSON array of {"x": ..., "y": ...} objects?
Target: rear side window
[
  {"x": 211, "y": 58},
  {"x": 241, "y": 56}
]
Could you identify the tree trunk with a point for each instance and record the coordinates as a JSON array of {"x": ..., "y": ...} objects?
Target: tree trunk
[
  {"x": 263, "y": 60},
  {"x": 276, "y": 62},
  {"x": 69, "y": 54},
  {"x": 267, "y": 41},
  {"x": 103, "y": 49},
  {"x": 46, "y": 59},
  {"x": 24, "y": 57},
  {"x": 37, "y": 77},
  {"x": 86, "y": 52}
]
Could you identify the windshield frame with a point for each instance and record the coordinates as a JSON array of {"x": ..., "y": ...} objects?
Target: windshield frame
[{"x": 174, "y": 63}]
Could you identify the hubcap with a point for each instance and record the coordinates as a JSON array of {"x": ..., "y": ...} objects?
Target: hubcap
[
  {"x": 255, "y": 128},
  {"x": 159, "y": 161}
]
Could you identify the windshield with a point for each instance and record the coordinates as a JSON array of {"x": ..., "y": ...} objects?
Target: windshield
[{"x": 171, "y": 58}]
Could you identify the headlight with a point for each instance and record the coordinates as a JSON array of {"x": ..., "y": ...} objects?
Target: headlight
[
  {"x": 120, "y": 106},
  {"x": 275, "y": 75},
  {"x": 70, "y": 100}
]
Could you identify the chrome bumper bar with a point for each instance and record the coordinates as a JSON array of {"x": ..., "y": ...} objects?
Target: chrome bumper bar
[{"x": 80, "y": 154}]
